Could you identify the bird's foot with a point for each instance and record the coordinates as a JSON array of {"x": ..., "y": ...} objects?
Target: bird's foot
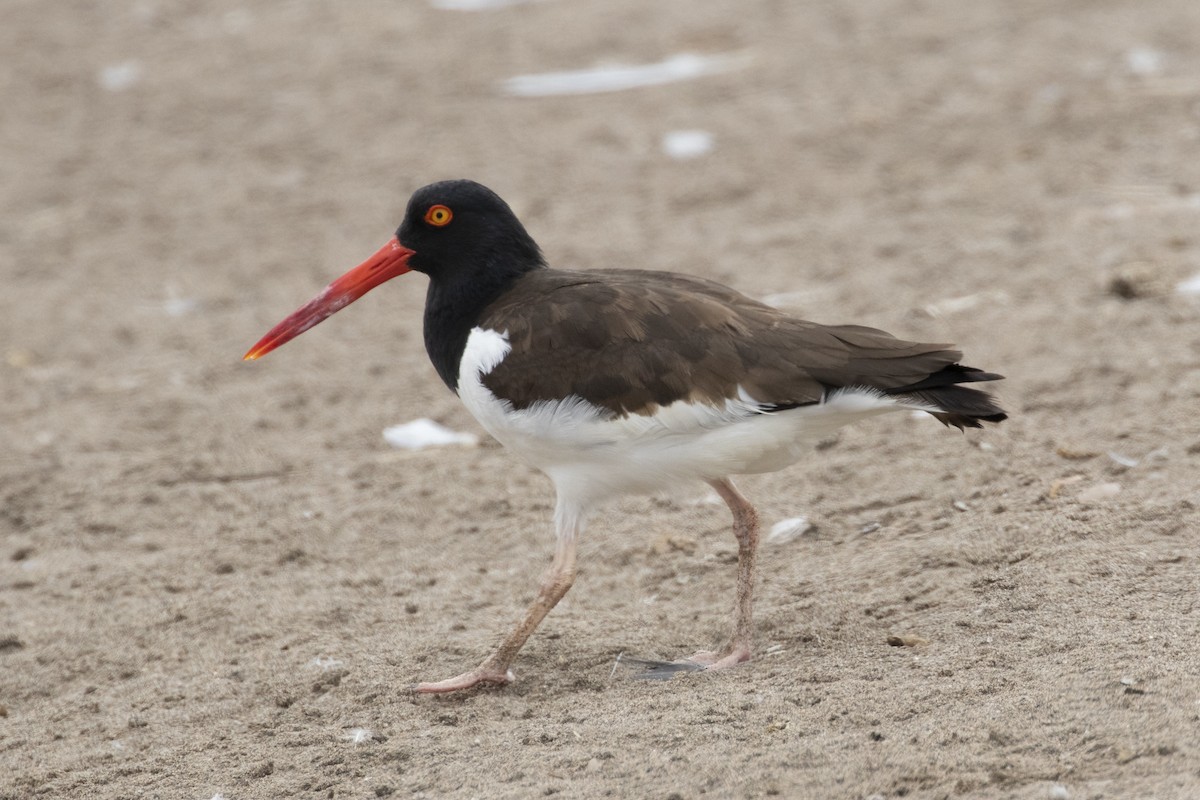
[
  {"x": 712, "y": 660},
  {"x": 481, "y": 675}
]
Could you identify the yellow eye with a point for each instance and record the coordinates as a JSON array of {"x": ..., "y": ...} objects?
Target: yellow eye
[{"x": 438, "y": 215}]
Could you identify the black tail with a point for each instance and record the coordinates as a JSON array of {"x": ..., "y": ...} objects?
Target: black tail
[{"x": 958, "y": 405}]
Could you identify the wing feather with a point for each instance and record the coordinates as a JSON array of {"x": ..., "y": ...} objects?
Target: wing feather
[{"x": 633, "y": 341}]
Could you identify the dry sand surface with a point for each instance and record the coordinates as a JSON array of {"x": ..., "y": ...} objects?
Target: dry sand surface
[{"x": 216, "y": 579}]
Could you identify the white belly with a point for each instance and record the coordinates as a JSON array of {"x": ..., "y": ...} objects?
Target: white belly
[{"x": 591, "y": 456}]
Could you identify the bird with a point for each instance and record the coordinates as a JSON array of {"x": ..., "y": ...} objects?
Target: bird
[{"x": 625, "y": 381}]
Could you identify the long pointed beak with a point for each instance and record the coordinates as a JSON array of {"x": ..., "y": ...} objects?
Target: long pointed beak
[{"x": 391, "y": 260}]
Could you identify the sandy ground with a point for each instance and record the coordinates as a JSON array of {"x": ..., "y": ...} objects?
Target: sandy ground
[{"x": 217, "y": 579}]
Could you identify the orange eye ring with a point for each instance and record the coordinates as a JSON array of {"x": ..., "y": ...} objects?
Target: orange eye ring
[{"x": 439, "y": 215}]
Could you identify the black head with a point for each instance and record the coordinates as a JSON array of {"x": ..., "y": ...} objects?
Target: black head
[
  {"x": 460, "y": 234},
  {"x": 462, "y": 229},
  {"x": 472, "y": 247}
]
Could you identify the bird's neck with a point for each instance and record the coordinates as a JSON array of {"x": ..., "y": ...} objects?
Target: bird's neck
[{"x": 454, "y": 305}]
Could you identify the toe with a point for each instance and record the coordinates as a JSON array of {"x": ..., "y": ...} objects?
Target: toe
[
  {"x": 737, "y": 656},
  {"x": 468, "y": 680}
]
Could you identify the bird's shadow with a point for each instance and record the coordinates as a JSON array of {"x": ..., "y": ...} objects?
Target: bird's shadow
[{"x": 653, "y": 670}]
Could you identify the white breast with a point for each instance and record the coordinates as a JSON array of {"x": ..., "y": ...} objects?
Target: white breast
[{"x": 591, "y": 456}]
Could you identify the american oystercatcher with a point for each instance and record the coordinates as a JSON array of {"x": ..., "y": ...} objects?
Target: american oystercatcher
[{"x": 622, "y": 381}]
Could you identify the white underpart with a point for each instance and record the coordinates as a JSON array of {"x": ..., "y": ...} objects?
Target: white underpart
[{"x": 591, "y": 456}]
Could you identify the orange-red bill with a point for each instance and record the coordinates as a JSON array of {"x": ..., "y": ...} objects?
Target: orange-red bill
[{"x": 391, "y": 260}]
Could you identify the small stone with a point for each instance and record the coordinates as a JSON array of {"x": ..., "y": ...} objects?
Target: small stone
[
  {"x": 1059, "y": 792},
  {"x": 1138, "y": 279},
  {"x": 907, "y": 640},
  {"x": 1073, "y": 453},
  {"x": 594, "y": 765}
]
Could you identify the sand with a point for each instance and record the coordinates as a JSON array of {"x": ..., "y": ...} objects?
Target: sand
[{"x": 217, "y": 579}]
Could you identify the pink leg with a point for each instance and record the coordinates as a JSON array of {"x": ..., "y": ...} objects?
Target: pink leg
[
  {"x": 745, "y": 528},
  {"x": 558, "y": 579}
]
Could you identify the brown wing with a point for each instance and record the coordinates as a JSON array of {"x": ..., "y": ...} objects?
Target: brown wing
[{"x": 631, "y": 341}]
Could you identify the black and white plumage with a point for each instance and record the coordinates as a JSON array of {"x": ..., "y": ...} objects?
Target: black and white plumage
[{"x": 622, "y": 381}]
